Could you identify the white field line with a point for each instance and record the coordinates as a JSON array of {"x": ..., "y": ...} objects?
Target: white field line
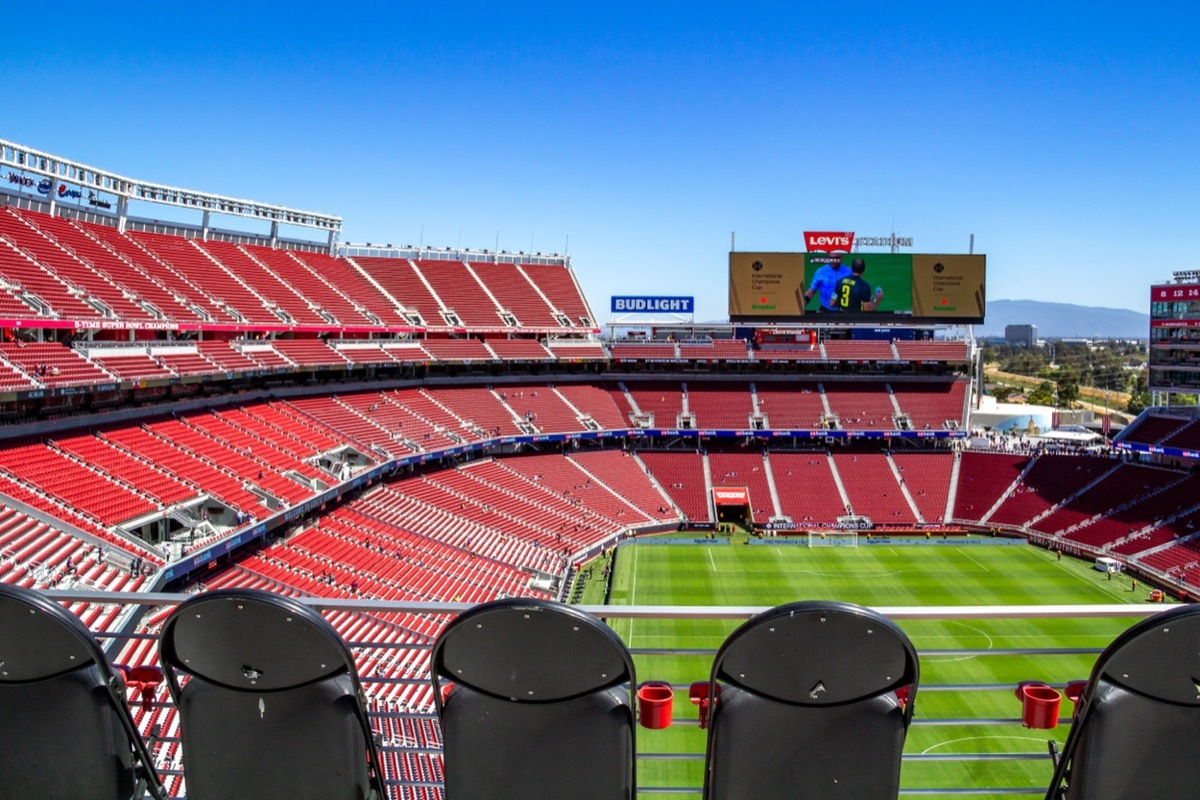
[
  {"x": 976, "y": 563},
  {"x": 943, "y": 659},
  {"x": 975, "y": 738}
]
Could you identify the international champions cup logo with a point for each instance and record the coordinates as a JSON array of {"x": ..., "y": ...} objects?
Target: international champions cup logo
[{"x": 828, "y": 241}]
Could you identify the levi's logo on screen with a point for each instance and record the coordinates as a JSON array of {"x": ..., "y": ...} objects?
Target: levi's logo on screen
[{"x": 828, "y": 241}]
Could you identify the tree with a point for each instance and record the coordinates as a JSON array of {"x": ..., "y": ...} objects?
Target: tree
[
  {"x": 1138, "y": 402},
  {"x": 1067, "y": 380},
  {"x": 1043, "y": 395},
  {"x": 1002, "y": 393}
]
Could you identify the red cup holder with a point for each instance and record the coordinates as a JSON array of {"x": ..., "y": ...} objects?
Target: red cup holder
[
  {"x": 698, "y": 695},
  {"x": 1039, "y": 705},
  {"x": 656, "y": 701}
]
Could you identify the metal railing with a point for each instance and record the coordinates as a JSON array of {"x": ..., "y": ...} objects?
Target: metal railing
[{"x": 403, "y": 786}]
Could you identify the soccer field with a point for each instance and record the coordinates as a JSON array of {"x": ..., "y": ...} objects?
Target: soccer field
[{"x": 881, "y": 575}]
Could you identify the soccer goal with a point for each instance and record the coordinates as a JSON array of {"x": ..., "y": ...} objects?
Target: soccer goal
[{"x": 833, "y": 538}]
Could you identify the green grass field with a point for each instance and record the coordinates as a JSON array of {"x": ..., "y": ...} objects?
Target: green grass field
[{"x": 880, "y": 575}]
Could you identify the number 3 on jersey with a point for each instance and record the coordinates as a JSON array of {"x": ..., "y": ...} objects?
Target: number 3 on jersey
[{"x": 844, "y": 292}]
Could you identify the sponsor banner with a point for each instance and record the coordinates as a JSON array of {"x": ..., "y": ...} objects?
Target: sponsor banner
[
  {"x": 829, "y": 241},
  {"x": 729, "y": 496},
  {"x": 19, "y": 180},
  {"x": 96, "y": 201},
  {"x": 845, "y": 241},
  {"x": 766, "y": 285},
  {"x": 1158, "y": 450},
  {"x": 626, "y": 304},
  {"x": 948, "y": 285},
  {"x": 891, "y": 240}
]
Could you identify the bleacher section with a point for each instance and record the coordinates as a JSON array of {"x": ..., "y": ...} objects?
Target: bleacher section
[
  {"x": 716, "y": 350},
  {"x": 932, "y": 406},
  {"x": 458, "y": 350},
  {"x": 1180, "y": 495},
  {"x": 355, "y": 285},
  {"x": 53, "y": 365},
  {"x": 541, "y": 406},
  {"x": 596, "y": 403},
  {"x": 792, "y": 405},
  {"x": 95, "y": 495},
  {"x": 785, "y": 354},
  {"x": 200, "y": 269},
  {"x": 860, "y": 407},
  {"x": 983, "y": 479},
  {"x": 1153, "y": 429},
  {"x": 1187, "y": 438},
  {"x": 557, "y": 284},
  {"x": 142, "y": 289},
  {"x": 516, "y": 295},
  {"x": 681, "y": 475},
  {"x": 569, "y": 351},
  {"x": 458, "y": 288},
  {"x": 285, "y": 303},
  {"x": 808, "y": 491},
  {"x": 79, "y": 270},
  {"x": 932, "y": 352},
  {"x": 720, "y": 405},
  {"x": 748, "y": 470},
  {"x": 519, "y": 350},
  {"x": 873, "y": 489},
  {"x": 647, "y": 351},
  {"x": 1115, "y": 489},
  {"x": 849, "y": 350},
  {"x": 927, "y": 476},
  {"x": 663, "y": 400},
  {"x": 625, "y": 474},
  {"x": 1046, "y": 484}
]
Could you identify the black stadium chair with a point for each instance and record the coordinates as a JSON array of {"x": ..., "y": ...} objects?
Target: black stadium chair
[
  {"x": 272, "y": 708},
  {"x": 539, "y": 708},
  {"x": 808, "y": 706},
  {"x": 65, "y": 731},
  {"x": 1137, "y": 732}
]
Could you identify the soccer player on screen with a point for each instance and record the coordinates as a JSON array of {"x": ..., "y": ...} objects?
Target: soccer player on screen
[
  {"x": 825, "y": 281},
  {"x": 853, "y": 293}
]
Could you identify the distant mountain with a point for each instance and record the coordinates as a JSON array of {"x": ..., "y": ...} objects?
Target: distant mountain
[{"x": 1065, "y": 321}]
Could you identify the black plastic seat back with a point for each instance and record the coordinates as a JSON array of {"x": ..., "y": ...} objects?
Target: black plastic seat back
[
  {"x": 272, "y": 707},
  {"x": 65, "y": 731},
  {"x": 539, "y": 708},
  {"x": 1137, "y": 734},
  {"x": 808, "y": 706}
]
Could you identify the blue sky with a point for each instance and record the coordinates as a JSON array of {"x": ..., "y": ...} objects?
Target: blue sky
[{"x": 1063, "y": 136}]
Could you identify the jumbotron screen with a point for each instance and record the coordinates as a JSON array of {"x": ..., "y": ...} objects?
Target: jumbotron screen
[{"x": 857, "y": 287}]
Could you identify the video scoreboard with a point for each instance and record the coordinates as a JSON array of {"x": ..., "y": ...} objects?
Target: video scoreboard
[
  {"x": 821, "y": 287},
  {"x": 1175, "y": 338}
]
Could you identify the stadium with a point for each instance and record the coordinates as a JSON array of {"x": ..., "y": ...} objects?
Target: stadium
[{"x": 395, "y": 435}]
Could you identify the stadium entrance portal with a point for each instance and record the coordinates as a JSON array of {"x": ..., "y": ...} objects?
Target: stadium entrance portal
[{"x": 733, "y": 505}]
